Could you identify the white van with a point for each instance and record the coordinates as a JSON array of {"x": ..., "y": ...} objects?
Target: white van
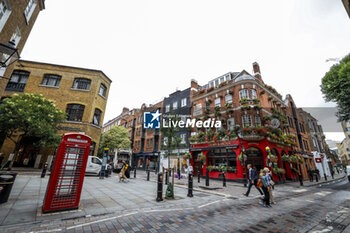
[
  {"x": 348, "y": 171},
  {"x": 93, "y": 165}
]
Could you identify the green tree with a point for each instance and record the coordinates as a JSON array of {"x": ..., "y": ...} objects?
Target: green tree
[
  {"x": 336, "y": 87},
  {"x": 30, "y": 118},
  {"x": 116, "y": 137}
]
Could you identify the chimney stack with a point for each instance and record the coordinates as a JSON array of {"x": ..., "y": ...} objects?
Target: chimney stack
[
  {"x": 256, "y": 70},
  {"x": 125, "y": 109}
]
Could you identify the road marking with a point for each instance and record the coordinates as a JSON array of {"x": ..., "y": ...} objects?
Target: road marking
[
  {"x": 322, "y": 231},
  {"x": 201, "y": 206},
  {"x": 323, "y": 193},
  {"x": 299, "y": 190},
  {"x": 53, "y": 230}
]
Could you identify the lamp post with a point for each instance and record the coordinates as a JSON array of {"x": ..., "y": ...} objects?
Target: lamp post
[
  {"x": 8, "y": 54},
  {"x": 244, "y": 158}
]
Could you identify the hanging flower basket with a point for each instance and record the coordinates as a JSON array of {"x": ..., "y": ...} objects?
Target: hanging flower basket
[
  {"x": 242, "y": 157},
  {"x": 187, "y": 155},
  {"x": 285, "y": 158},
  {"x": 293, "y": 159},
  {"x": 201, "y": 158},
  {"x": 274, "y": 159}
]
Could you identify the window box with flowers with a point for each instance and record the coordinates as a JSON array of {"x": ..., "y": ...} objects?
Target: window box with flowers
[
  {"x": 244, "y": 101},
  {"x": 245, "y": 107},
  {"x": 210, "y": 89}
]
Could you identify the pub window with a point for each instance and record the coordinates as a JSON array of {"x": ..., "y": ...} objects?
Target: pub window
[
  {"x": 81, "y": 84},
  {"x": 222, "y": 157},
  {"x": 75, "y": 112},
  {"x": 97, "y": 117},
  {"x": 51, "y": 80},
  {"x": 102, "y": 91},
  {"x": 244, "y": 94},
  {"x": 246, "y": 120}
]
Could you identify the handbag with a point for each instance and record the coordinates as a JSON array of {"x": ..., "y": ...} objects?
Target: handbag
[{"x": 259, "y": 184}]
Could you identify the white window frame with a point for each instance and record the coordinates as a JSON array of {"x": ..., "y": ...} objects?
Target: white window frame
[
  {"x": 28, "y": 12},
  {"x": 167, "y": 108},
  {"x": 253, "y": 94},
  {"x": 175, "y": 105},
  {"x": 183, "y": 102},
  {"x": 257, "y": 120},
  {"x": 6, "y": 13},
  {"x": 246, "y": 120},
  {"x": 230, "y": 123},
  {"x": 105, "y": 90},
  {"x": 229, "y": 100},
  {"x": 217, "y": 102},
  {"x": 244, "y": 93},
  {"x": 197, "y": 110}
]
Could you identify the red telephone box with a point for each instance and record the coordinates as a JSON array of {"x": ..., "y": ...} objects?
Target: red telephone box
[{"x": 66, "y": 181}]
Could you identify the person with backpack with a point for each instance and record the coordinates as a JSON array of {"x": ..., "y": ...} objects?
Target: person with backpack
[
  {"x": 253, "y": 180},
  {"x": 122, "y": 176}
]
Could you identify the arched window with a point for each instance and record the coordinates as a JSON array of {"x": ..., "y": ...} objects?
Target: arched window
[
  {"x": 75, "y": 112},
  {"x": 97, "y": 116},
  {"x": 253, "y": 152},
  {"x": 82, "y": 84}
]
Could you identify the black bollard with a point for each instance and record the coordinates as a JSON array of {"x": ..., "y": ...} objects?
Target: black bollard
[
  {"x": 325, "y": 177},
  {"x": 332, "y": 175},
  {"x": 43, "y": 173},
  {"x": 148, "y": 171},
  {"x": 170, "y": 172},
  {"x": 134, "y": 172},
  {"x": 160, "y": 187},
  {"x": 166, "y": 177},
  {"x": 223, "y": 179},
  {"x": 207, "y": 178},
  {"x": 179, "y": 173},
  {"x": 199, "y": 176},
  {"x": 316, "y": 178},
  {"x": 190, "y": 185}
]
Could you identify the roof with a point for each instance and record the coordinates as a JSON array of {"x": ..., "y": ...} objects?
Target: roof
[{"x": 65, "y": 66}]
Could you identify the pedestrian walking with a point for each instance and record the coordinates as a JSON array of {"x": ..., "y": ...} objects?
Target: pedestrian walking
[
  {"x": 272, "y": 184},
  {"x": 253, "y": 180},
  {"x": 265, "y": 187},
  {"x": 122, "y": 176}
]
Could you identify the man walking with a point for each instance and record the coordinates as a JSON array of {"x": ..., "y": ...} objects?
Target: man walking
[{"x": 253, "y": 180}]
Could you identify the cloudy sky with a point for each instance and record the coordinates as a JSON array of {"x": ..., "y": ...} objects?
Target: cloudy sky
[{"x": 151, "y": 47}]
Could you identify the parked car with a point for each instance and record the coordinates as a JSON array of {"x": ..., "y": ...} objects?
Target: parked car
[
  {"x": 93, "y": 165},
  {"x": 348, "y": 171}
]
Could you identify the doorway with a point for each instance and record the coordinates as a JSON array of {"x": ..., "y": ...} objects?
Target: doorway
[{"x": 255, "y": 158}]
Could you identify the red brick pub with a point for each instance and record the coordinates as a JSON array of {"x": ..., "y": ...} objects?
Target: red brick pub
[{"x": 258, "y": 128}]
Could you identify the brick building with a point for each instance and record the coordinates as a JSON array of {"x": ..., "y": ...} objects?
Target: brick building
[
  {"x": 258, "y": 127},
  {"x": 344, "y": 146},
  {"x": 16, "y": 22},
  {"x": 81, "y": 93},
  {"x": 145, "y": 143}
]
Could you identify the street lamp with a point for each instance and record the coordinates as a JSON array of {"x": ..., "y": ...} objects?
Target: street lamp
[
  {"x": 244, "y": 157},
  {"x": 8, "y": 54}
]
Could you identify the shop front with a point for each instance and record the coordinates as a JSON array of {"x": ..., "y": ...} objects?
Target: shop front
[
  {"x": 147, "y": 161},
  {"x": 233, "y": 156}
]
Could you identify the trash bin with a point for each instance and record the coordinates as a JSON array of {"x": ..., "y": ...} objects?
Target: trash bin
[{"x": 6, "y": 182}]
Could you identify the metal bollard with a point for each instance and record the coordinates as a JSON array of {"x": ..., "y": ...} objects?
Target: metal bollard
[
  {"x": 170, "y": 172},
  {"x": 332, "y": 175},
  {"x": 207, "y": 178},
  {"x": 301, "y": 180},
  {"x": 166, "y": 176},
  {"x": 325, "y": 177},
  {"x": 43, "y": 173},
  {"x": 190, "y": 185},
  {"x": 223, "y": 179},
  {"x": 316, "y": 178},
  {"x": 135, "y": 172},
  {"x": 179, "y": 173},
  {"x": 148, "y": 171},
  {"x": 160, "y": 187},
  {"x": 199, "y": 176}
]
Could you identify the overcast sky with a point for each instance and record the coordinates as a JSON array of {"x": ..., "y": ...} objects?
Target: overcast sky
[{"x": 151, "y": 47}]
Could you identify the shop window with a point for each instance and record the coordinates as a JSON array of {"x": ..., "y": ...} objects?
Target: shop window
[
  {"x": 102, "y": 91},
  {"x": 97, "y": 117},
  {"x": 75, "y": 112},
  {"x": 17, "y": 81},
  {"x": 82, "y": 84},
  {"x": 222, "y": 157},
  {"x": 51, "y": 80},
  {"x": 244, "y": 94}
]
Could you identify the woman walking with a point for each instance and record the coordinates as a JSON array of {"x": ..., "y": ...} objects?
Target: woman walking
[
  {"x": 272, "y": 183},
  {"x": 266, "y": 186}
]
